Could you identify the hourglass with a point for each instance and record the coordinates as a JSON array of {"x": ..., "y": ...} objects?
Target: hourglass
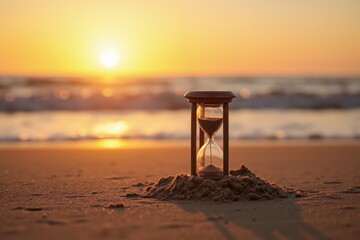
[{"x": 210, "y": 109}]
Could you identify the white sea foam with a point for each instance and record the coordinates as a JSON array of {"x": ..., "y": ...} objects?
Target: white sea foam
[{"x": 164, "y": 124}]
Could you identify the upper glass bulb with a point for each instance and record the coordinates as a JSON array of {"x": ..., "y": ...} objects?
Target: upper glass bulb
[{"x": 210, "y": 117}]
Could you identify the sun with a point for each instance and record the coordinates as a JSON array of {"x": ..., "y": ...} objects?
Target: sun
[{"x": 109, "y": 58}]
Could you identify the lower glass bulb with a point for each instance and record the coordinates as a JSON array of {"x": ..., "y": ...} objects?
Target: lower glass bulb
[{"x": 210, "y": 160}]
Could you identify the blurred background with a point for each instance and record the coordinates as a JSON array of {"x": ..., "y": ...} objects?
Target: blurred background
[{"x": 80, "y": 70}]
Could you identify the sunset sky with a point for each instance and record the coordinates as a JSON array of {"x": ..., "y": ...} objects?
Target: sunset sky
[{"x": 161, "y": 37}]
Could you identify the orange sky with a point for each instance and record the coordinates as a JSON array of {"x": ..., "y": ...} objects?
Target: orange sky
[{"x": 229, "y": 37}]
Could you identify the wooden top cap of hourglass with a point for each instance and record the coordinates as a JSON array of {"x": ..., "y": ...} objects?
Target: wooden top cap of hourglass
[{"x": 209, "y": 96}]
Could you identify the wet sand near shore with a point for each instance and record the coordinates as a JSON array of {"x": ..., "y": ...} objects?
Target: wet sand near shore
[{"x": 89, "y": 193}]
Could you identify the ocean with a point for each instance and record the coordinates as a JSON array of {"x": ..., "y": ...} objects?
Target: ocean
[{"x": 34, "y": 109}]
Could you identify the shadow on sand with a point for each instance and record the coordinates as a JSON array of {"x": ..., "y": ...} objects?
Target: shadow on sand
[{"x": 275, "y": 219}]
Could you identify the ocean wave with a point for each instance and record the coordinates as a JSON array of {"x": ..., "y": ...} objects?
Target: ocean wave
[
  {"x": 172, "y": 101},
  {"x": 72, "y": 94}
]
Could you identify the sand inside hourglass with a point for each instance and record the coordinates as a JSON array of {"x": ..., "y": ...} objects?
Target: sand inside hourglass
[{"x": 210, "y": 125}]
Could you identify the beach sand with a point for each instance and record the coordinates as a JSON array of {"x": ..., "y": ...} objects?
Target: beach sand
[{"x": 77, "y": 193}]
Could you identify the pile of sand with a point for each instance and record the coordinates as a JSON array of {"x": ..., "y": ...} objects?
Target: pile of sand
[{"x": 241, "y": 184}]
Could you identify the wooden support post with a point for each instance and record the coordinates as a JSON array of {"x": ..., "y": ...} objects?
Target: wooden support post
[
  {"x": 193, "y": 139},
  {"x": 226, "y": 138}
]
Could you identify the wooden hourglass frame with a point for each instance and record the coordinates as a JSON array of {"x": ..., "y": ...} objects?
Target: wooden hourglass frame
[{"x": 222, "y": 98}]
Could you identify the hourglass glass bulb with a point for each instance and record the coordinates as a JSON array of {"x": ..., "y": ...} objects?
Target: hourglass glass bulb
[
  {"x": 209, "y": 160},
  {"x": 210, "y": 155},
  {"x": 210, "y": 118}
]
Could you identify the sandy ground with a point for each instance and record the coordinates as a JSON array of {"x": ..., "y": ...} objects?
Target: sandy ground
[{"x": 63, "y": 193}]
